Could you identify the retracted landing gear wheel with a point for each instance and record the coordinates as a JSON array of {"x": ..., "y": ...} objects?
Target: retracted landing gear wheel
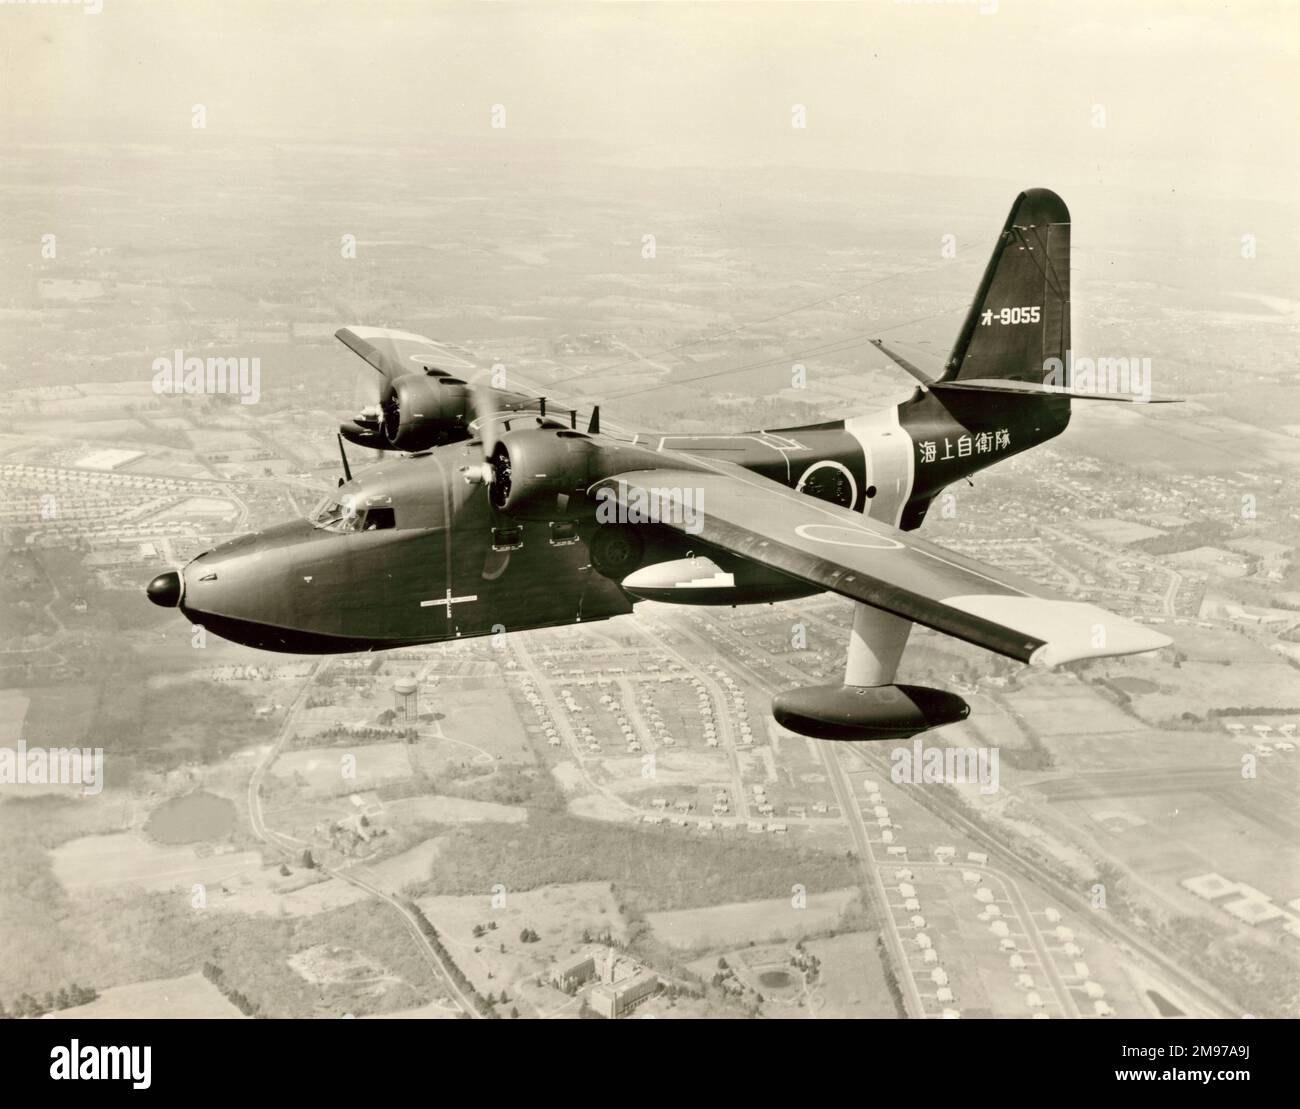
[{"x": 616, "y": 550}]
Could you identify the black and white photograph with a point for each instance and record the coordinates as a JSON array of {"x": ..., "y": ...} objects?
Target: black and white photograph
[{"x": 613, "y": 511}]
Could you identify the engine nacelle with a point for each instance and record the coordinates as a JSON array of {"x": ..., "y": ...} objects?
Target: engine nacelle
[
  {"x": 538, "y": 472},
  {"x": 856, "y": 712},
  {"x": 420, "y": 411}
]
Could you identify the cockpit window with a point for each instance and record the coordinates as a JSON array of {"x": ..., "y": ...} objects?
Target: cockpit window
[
  {"x": 345, "y": 516},
  {"x": 379, "y": 519},
  {"x": 330, "y": 513}
]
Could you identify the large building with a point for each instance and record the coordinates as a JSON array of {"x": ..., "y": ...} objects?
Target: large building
[
  {"x": 613, "y": 1000},
  {"x": 575, "y": 971}
]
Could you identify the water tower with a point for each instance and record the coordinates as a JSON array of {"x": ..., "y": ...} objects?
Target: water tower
[{"x": 406, "y": 700}]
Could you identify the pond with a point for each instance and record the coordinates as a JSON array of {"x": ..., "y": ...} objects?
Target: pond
[{"x": 189, "y": 819}]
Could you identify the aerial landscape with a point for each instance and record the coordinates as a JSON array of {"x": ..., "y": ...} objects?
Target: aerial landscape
[{"x": 604, "y": 820}]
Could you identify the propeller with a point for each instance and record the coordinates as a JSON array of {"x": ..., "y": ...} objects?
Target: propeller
[
  {"x": 484, "y": 401},
  {"x": 493, "y": 469}
]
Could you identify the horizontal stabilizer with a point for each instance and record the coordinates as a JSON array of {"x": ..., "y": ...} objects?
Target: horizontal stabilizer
[
  {"x": 1043, "y": 389},
  {"x": 913, "y": 369}
]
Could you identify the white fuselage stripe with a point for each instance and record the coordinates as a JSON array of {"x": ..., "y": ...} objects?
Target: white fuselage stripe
[{"x": 890, "y": 462}]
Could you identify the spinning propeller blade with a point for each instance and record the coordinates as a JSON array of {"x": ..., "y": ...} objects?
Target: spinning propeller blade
[{"x": 485, "y": 417}]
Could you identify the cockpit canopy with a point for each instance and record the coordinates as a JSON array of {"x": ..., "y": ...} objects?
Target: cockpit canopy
[{"x": 345, "y": 512}]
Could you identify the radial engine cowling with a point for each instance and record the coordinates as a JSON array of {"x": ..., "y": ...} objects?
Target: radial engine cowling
[
  {"x": 856, "y": 712},
  {"x": 541, "y": 472},
  {"x": 421, "y": 411}
]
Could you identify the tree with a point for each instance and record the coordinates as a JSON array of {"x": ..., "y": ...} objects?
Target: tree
[{"x": 307, "y": 860}]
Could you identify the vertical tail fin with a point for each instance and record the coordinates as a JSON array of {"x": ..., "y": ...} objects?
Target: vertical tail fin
[{"x": 1020, "y": 316}]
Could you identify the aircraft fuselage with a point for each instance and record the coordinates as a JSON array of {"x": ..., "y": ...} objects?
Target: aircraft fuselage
[{"x": 424, "y": 556}]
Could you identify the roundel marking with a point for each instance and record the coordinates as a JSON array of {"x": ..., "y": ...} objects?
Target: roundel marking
[
  {"x": 444, "y": 358},
  {"x": 828, "y": 464},
  {"x": 840, "y": 535}
]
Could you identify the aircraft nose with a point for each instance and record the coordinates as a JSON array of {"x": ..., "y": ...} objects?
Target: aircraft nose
[{"x": 165, "y": 589}]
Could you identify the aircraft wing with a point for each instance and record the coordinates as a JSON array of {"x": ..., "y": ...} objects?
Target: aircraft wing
[
  {"x": 879, "y": 565},
  {"x": 394, "y": 353}
]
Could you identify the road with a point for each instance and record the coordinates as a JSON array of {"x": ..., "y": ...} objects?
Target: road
[
  {"x": 721, "y": 712},
  {"x": 912, "y": 1002},
  {"x": 292, "y": 846}
]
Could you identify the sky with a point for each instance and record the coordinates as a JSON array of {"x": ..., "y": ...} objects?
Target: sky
[{"x": 1197, "y": 92}]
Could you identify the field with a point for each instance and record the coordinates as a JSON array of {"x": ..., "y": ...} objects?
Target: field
[
  {"x": 1073, "y": 712},
  {"x": 694, "y": 770},
  {"x": 750, "y": 921},
  {"x": 191, "y": 997},
  {"x": 320, "y": 770},
  {"x": 412, "y": 865},
  {"x": 1263, "y": 681},
  {"x": 127, "y": 859},
  {"x": 853, "y": 980},
  {"x": 1118, "y": 531},
  {"x": 466, "y": 712}
]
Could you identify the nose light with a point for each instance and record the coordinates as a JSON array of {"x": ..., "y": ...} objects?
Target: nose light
[{"x": 165, "y": 589}]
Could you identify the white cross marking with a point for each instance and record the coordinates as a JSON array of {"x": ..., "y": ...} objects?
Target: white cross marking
[{"x": 449, "y": 600}]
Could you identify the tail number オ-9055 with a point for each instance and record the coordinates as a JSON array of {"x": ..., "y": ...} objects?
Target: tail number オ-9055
[{"x": 1028, "y": 314}]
